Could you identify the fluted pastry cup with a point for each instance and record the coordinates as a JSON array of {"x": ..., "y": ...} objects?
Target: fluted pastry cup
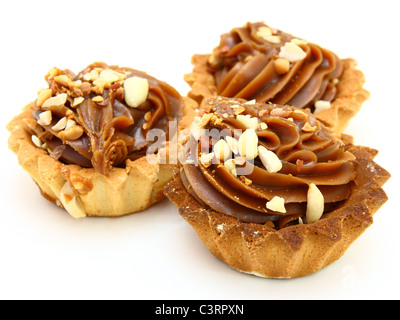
[
  {"x": 264, "y": 240},
  {"x": 96, "y": 165},
  {"x": 258, "y": 62}
]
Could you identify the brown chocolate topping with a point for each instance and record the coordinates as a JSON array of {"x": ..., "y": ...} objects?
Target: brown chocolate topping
[
  {"x": 308, "y": 151},
  {"x": 245, "y": 66},
  {"x": 106, "y": 131}
]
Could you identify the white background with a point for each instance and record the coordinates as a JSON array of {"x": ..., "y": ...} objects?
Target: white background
[{"x": 46, "y": 254}]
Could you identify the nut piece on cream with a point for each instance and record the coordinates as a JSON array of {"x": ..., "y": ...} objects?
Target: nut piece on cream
[
  {"x": 36, "y": 141},
  {"x": 277, "y": 204},
  {"x": 274, "y": 39},
  {"x": 71, "y": 132},
  {"x": 111, "y": 76},
  {"x": 298, "y": 41},
  {"x": 264, "y": 32},
  {"x": 315, "y": 204},
  {"x": 233, "y": 144},
  {"x": 322, "y": 105},
  {"x": 248, "y": 121},
  {"x": 222, "y": 150},
  {"x": 70, "y": 202},
  {"x": 45, "y": 118},
  {"x": 248, "y": 143},
  {"x": 63, "y": 80},
  {"x": 206, "y": 158},
  {"x": 292, "y": 52},
  {"x": 43, "y": 95},
  {"x": 196, "y": 130},
  {"x": 60, "y": 125},
  {"x": 231, "y": 166},
  {"x": 56, "y": 101},
  {"x": 136, "y": 91},
  {"x": 281, "y": 65},
  {"x": 269, "y": 159},
  {"x": 77, "y": 101}
]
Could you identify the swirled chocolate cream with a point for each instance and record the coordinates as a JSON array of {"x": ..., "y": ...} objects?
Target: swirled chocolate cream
[
  {"x": 84, "y": 139},
  {"x": 260, "y": 178},
  {"x": 259, "y": 62},
  {"x": 100, "y": 117},
  {"x": 286, "y": 158}
]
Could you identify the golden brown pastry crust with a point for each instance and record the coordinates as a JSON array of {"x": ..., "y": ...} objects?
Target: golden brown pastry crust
[
  {"x": 83, "y": 191},
  {"x": 293, "y": 251},
  {"x": 347, "y": 103}
]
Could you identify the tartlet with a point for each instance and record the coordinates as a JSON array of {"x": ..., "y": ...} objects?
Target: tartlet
[
  {"x": 84, "y": 139},
  {"x": 258, "y": 62},
  {"x": 271, "y": 191}
]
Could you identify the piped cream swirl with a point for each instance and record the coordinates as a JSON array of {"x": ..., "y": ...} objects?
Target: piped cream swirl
[
  {"x": 258, "y": 62},
  {"x": 90, "y": 120},
  {"x": 304, "y": 154}
]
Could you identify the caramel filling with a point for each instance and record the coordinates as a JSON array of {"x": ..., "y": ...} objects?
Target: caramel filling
[
  {"x": 100, "y": 117},
  {"x": 258, "y": 62},
  {"x": 286, "y": 152}
]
